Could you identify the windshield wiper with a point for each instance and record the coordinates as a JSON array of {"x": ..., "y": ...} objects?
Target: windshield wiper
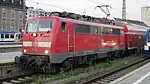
[{"x": 49, "y": 30}]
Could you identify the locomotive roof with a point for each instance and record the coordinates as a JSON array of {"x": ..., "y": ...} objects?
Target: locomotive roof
[{"x": 76, "y": 21}]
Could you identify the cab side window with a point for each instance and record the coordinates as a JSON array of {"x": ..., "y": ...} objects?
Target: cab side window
[{"x": 64, "y": 27}]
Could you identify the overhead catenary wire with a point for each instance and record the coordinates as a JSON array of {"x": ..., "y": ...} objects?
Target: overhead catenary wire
[
  {"x": 46, "y": 4},
  {"x": 85, "y": 11},
  {"x": 56, "y": 6},
  {"x": 62, "y": 8}
]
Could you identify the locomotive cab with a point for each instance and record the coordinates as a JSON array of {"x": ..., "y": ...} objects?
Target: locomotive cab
[
  {"x": 37, "y": 43},
  {"x": 37, "y": 37}
]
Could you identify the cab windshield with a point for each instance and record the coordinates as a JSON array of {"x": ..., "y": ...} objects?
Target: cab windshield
[{"x": 39, "y": 26}]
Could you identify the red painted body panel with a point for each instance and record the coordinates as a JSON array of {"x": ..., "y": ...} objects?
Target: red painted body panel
[
  {"x": 63, "y": 42},
  {"x": 93, "y": 42}
]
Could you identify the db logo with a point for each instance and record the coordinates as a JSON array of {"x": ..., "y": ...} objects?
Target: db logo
[{"x": 35, "y": 43}]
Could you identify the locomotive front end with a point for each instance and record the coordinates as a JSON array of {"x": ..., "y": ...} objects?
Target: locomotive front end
[
  {"x": 147, "y": 44},
  {"x": 37, "y": 43}
]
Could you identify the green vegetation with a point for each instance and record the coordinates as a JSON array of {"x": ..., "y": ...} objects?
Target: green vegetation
[{"x": 81, "y": 73}]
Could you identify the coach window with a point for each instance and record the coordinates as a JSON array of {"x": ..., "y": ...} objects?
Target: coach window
[
  {"x": 12, "y": 36},
  {"x": 99, "y": 30},
  {"x": 82, "y": 29},
  {"x": 64, "y": 27},
  {"x": 96, "y": 30},
  {"x": 140, "y": 37},
  {"x": 92, "y": 30},
  {"x": 6, "y": 35},
  {"x": 110, "y": 30},
  {"x": 105, "y": 30},
  {"x": 102, "y": 31},
  {"x": 86, "y": 29},
  {"x": 135, "y": 37},
  {"x": 2, "y": 35},
  {"x": 116, "y": 31}
]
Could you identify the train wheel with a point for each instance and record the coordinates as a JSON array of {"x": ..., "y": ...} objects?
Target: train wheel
[
  {"x": 122, "y": 53},
  {"x": 110, "y": 56},
  {"x": 51, "y": 68},
  {"x": 116, "y": 54},
  {"x": 67, "y": 65},
  {"x": 85, "y": 60}
]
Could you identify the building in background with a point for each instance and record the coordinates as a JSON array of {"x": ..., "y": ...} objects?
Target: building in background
[
  {"x": 31, "y": 12},
  {"x": 12, "y": 15},
  {"x": 145, "y": 15},
  {"x": 36, "y": 12}
]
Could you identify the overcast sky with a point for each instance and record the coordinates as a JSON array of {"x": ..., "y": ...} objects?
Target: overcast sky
[{"x": 88, "y": 6}]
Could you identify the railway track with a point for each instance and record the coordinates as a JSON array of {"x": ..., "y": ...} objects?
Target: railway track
[
  {"x": 114, "y": 74},
  {"x": 10, "y": 47},
  {"x": 11, "y": 74}
]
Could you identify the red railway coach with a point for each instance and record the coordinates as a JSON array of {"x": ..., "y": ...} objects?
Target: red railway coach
[
  {"x": 51, "y": 42},
  {"x": 134, "y": 36}
]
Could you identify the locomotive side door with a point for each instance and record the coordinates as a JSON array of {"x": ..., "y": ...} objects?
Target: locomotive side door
[{"x": 71, "y": 37}]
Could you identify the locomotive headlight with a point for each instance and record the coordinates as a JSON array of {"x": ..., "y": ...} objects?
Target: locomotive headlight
[
  {"x": 146, "y": 47},
  {"x": 24, "y": 50},
  {"x": 114, "y": 43},
  {"x": 46, "y": 51},
  {"x": 34, "y": 34},
  {"x": 148, "y": 44},
  {"x": 104, "y": 43}
]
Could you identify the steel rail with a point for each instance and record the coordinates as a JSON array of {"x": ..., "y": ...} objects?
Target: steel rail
[
  {"x": 10, "y": 73},
  {"x": 106, "y": 77}
]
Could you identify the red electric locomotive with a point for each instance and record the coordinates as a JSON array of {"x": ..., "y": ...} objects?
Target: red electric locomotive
[{"x": 53, "y": 42}]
